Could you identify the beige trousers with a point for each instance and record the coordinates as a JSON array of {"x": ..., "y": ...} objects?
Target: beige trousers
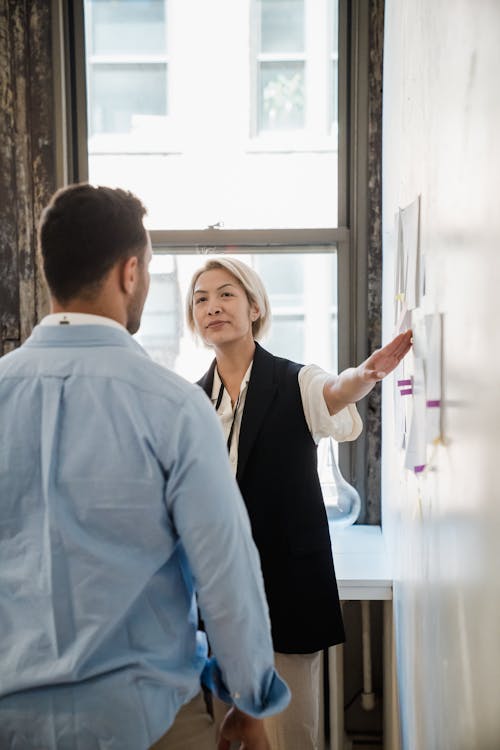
[
  {"x": 193, "y": 729},
  {"x": 297, "y": 727}
]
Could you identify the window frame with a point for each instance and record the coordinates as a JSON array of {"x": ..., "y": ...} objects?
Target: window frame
[{"x": 350, "y": 237}]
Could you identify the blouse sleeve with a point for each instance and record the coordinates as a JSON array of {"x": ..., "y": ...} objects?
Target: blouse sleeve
[{"x": 343, "y": 426}]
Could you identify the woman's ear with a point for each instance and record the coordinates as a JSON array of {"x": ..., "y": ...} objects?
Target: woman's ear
[{"x": 254, "y": 312}]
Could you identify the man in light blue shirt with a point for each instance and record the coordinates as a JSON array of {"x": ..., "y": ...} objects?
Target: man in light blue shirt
[{"x": 117, "y": 502}]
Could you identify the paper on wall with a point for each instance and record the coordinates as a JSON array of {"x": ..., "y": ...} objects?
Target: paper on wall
[
  {"x": 400, "y": 271},
  {"x": 399, "y": 407},
  {"x": 419, "y": 334},
  {"x": 410, "y": 233},
  {"x": 416, "y": 451}
]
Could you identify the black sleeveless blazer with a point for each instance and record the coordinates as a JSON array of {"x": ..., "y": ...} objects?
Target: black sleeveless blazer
[{"x": 277, "y": 476}]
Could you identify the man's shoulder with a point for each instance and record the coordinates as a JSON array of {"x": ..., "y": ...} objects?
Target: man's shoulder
[
  {"x": 126, "y": 366},
  {"x": 150, "y": 376}
]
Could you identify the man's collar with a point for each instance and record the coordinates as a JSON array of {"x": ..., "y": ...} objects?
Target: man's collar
[{"x": 79, "y": 319}]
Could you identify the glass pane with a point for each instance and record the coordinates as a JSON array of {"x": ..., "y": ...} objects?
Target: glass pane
[
  {"x": 335, "y": 65},
  {"x": 225, "y": 150},
  {"x": 284, "y": 276},
  {"x": 127, "y": 27},
  {"x": 304, "y": 325},
  {"x": 122, "y": 94},
  {"x": 335, "y": 27},
  {"x": 286, "y": 338},
  {"x": 282, "y": 25},
  {"x": 282, "y": 96},
  {"x": 160, "y": 332},
  {"x": 335, "y": 95}
]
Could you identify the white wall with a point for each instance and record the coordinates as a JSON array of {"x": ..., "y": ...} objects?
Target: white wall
[{"x": 442, "y": 140}]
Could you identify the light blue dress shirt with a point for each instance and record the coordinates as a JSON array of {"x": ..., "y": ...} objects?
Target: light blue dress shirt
[{"x": 116, "y": 502}]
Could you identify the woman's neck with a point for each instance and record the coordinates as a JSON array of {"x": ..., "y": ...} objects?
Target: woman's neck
[{"x": 232, "y": 364}]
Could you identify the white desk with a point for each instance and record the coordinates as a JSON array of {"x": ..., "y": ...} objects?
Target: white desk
[
  {"x": 363, "y": 573},
  {"x": 361, "y": 564}
]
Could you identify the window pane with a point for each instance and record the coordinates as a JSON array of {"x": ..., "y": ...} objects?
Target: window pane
[
  {"x": 304, "y": 318},
  {"x": 282, "y": 96},
  {"x": 335, "y": 65},
  {"x": 286, "y": 338},
  {"x": 121, "y": 94},
  {"x": 223, "y": 146},
  {"x": 335, "y": 26},
  {"x": 127, "y": 27},
  {"x": 335, "y": 95},
  {"x": 282, "y": 25},
  {"x": 162, "y": 324},
  {"x": 284, "y": 276}
]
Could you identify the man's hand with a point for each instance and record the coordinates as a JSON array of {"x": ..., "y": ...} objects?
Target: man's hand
[{"x": 238, "y": 726}]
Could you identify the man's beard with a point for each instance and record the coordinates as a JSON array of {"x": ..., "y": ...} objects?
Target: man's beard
[{"x": 134, "y": 311}]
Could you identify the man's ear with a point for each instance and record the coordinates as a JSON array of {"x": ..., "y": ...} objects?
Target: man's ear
[{"x": 129, "y": 274}]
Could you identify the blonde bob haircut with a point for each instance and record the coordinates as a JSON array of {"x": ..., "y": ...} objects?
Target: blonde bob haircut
[{"x": 251, "y": 283}]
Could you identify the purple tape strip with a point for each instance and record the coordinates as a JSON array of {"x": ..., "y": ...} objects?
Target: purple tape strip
[
  {"x": 407, "y": 392},
  {"x": 431, "y": 404},
  {"x": 418, "y": 469},
  {"x": 404, "y": 382}
]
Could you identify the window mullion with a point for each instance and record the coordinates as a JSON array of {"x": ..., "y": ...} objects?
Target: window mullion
[{"x": 267, "y": 238}]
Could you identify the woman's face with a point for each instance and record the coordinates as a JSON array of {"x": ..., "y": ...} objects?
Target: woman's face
[{"x": 221, "y": 310}]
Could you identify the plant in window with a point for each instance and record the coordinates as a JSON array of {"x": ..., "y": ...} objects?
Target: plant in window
[{"x": 283, "y": 99}]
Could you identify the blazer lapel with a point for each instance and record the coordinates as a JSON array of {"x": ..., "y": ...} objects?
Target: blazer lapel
[
  {"x": 261, "y": 391},
  {"x": 207, "y": 381}
]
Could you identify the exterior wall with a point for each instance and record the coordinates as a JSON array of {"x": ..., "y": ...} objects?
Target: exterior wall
[
  {"x": 26, "y": 161},
  {"x": 441, "y": 122}
]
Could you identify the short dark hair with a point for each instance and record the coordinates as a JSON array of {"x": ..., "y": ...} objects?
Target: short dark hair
[{"x": 83, "y": 232}]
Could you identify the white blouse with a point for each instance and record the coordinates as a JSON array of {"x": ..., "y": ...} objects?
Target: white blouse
[{"x": 343, "y": 426}]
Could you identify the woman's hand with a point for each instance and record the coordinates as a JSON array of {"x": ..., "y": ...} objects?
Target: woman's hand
[
  {"x": 355, "y": 383},
  {"x": 238, "y": 726},
  {"x": 385, "y": 360}
]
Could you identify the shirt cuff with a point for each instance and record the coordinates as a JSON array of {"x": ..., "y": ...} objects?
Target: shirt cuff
[
  {"x": 272, "y": 697},
  {"x": 346, "y": 424}
]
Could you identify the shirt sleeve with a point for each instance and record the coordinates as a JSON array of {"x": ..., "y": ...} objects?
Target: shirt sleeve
[
  {"x": 210, "y": 517},
  {"x": 343, "y": 426}
]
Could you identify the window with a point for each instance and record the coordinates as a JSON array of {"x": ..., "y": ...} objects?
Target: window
[
  {"x": 281, "y": 65},
  {"x": 302, "y": 291},
  {"x": 127, "y": 73},
  {"x": 179, "y": 129},
  {"x": 126, "y": 53},
  {"x": 243, "y": 127},
  {"x": 296, "y": 44}
]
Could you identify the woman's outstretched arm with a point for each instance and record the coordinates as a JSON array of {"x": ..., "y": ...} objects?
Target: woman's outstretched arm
[{"x": 355, "y": 383}]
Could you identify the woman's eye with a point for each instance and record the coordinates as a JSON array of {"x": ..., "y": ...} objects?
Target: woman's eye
[{"x": 199, "y": 299}]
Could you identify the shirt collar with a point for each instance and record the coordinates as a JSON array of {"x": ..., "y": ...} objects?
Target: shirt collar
[
  {"x": 79, "y": 319},
  {"x": 218, "y": 382}
]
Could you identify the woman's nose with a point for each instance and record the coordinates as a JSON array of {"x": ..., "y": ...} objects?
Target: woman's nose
[{"x": 214, "y": 308}]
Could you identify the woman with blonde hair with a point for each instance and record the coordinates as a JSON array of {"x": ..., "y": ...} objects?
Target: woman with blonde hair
[{"x": 273, "y": 413}]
